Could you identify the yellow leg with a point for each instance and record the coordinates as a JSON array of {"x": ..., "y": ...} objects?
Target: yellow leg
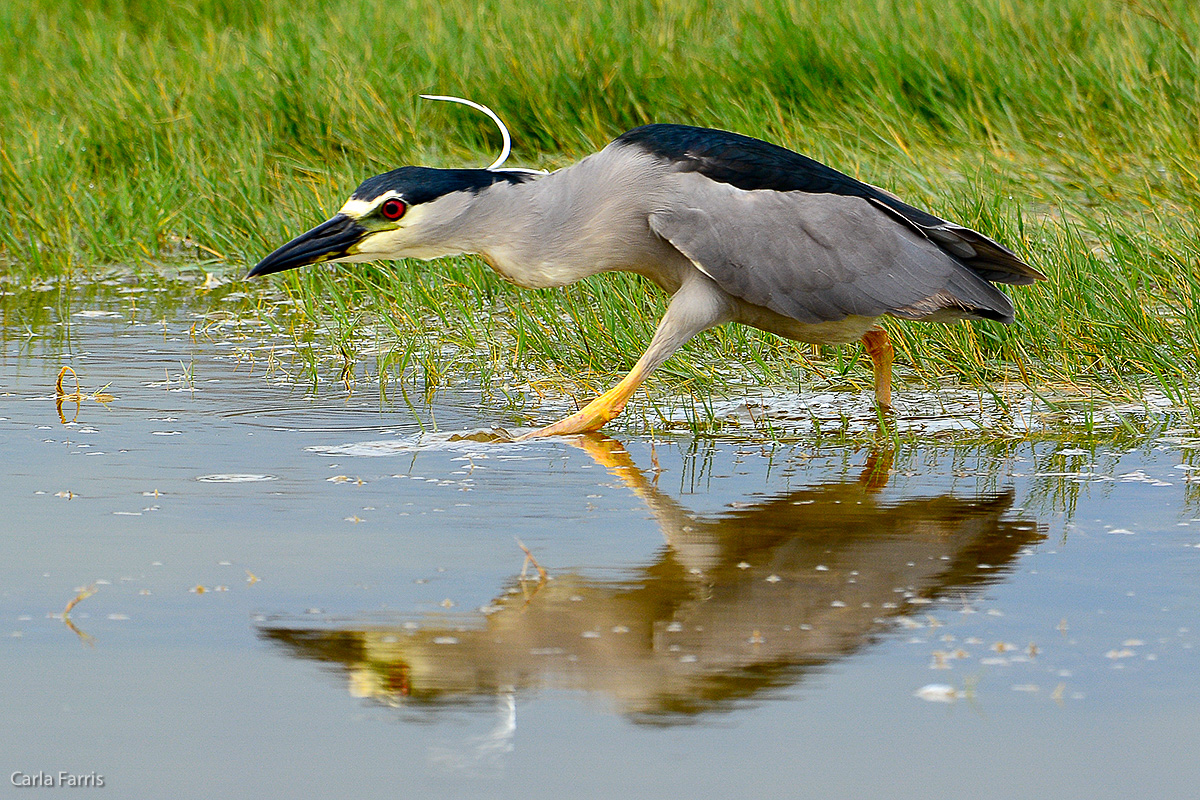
[
  {"x": 879, "y": 348},
  {"x": 600, "y": 411},
  {"x": 698, "y": 305}
]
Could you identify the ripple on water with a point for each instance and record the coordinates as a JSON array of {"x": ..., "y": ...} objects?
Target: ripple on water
[{"x": 235, "y": 477}]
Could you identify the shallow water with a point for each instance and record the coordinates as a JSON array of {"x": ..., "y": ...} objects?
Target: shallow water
[{"x": 288, "y": 594}]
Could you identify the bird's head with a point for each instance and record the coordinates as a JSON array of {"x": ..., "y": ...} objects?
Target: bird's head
[{"x": 409, "y": 212}]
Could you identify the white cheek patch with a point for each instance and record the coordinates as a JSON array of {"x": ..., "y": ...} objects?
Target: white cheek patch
[
  {"x": 384, "y": 244},
  {"x": 357, "y": 209},
  {"x": 353, "y": 258}
]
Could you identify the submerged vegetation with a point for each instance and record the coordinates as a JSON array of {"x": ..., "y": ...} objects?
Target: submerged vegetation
[{"x": 206, "y": 133}]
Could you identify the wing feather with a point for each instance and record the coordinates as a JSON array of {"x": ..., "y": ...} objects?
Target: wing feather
[
  {"x": 819, "y": 257},
  {"x": 752, "y": 164}
]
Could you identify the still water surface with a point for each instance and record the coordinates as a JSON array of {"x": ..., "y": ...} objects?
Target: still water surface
[{"x": 287, "y": 594}]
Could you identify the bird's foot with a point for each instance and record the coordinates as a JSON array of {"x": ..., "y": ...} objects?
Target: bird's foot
[{"x": 592, "y": 417}]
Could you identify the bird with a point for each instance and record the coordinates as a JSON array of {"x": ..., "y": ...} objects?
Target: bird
[{"x": 733, "y": 228}]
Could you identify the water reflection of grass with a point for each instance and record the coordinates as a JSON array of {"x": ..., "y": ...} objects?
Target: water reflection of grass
[{"x": 153, "y": 133}]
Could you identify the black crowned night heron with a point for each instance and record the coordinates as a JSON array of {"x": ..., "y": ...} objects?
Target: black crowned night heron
[{"x": 733, "y": 228}]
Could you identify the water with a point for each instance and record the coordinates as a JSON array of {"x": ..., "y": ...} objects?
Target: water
[{"x": 287, "y": 594}]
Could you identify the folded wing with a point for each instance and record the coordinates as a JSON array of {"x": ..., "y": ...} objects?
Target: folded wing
[{"x": 819, "y": 257}]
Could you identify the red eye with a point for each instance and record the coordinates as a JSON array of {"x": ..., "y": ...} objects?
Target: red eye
[{"x": 393, "y": 209}]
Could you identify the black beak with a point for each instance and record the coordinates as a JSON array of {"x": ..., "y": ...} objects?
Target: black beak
[{"x": 331, "y": 239}]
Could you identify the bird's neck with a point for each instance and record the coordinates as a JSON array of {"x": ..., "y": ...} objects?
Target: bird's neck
[
  {"x": 512, "y": 227},
  {"x": 561, "y": 228}
]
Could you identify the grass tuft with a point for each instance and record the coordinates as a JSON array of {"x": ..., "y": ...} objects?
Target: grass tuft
[{"x": 210, "y": 131}]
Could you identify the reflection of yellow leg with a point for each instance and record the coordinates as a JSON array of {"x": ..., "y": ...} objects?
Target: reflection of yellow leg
[
  {"x": 877, "y": 470},
  {"x": 879, "y": 348},
  {"x": 607, "y": 452},
  {"x": 600, "y": 411},
  {"x": 612, "y": 455}
]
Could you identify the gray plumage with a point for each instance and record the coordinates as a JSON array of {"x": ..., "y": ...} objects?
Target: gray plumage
[
  {"x": 818, "y": 258},
  {"x": 736, "y": 229}
]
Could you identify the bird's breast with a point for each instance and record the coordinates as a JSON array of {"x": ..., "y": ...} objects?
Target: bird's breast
[
  {"x": 568, "y": 253},
  {"x": 533, "y": 273}
]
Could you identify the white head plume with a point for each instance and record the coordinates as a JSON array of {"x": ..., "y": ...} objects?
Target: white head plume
[{"x": 506, "y": 146}]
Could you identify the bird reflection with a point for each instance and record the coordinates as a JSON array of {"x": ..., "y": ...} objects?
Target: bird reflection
[{"x": 734, "y": 606}]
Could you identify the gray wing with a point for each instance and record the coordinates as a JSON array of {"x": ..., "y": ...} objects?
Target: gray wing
[{"x": 820, "y": 257}]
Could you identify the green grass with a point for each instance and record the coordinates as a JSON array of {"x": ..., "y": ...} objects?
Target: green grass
[{"x": 149, "y": 133}]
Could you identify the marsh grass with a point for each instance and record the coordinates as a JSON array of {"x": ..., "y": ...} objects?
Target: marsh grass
[{"x": 209, "y": 132}]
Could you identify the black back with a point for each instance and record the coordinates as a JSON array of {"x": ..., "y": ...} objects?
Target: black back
[{"x": 749, "y": 164}]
